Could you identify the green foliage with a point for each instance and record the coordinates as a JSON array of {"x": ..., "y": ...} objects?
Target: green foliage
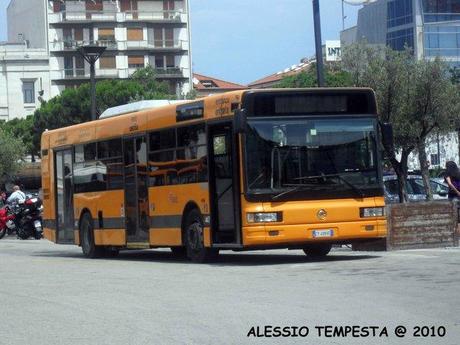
[
  {"x": 22, "y": 129},
  {"x": 334, "y": 77},
  {"x": 73, "y": 106},
  {"x": 11, "y": 153},
  {"x": 415, "y": 96}
]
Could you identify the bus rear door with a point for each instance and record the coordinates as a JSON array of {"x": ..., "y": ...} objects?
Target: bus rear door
[{"x": 136, "y": 192}]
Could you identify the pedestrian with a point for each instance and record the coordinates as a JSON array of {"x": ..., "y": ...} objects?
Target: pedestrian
[
  {"x": 17, "y": 195},
  {"x": 453, "y": 180}
]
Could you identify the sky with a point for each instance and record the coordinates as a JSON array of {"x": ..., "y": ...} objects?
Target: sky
[{"x": 245, "y": 40}]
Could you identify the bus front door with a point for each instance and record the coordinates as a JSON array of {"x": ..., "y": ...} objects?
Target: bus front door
[
  {"x": 136, "y": 192},
  {"x": 223, "y": 184},
  {"x": 64, "y": 196}
]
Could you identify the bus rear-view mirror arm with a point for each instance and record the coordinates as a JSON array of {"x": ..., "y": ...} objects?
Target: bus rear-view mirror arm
[{"x": 240, "y": 121}]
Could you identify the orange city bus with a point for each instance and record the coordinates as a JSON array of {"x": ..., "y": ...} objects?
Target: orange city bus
[{"x": 252, "y": 169}]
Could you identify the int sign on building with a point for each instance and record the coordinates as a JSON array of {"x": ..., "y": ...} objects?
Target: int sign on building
[{"x": 333, "y": 51}]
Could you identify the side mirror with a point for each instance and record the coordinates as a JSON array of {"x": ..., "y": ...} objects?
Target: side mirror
[
  {"x": 387, "y": 136},
  {"x": 240, "y": 121}
]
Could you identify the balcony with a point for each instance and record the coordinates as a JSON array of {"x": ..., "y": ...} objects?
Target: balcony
[
  {"x": 169, "y": 72},
  {"x": 112, "y": 44},
  {"x": 79, "y": 74},
  {"x": 105, "y": 16},
  {"x": 83, "y": 74}
]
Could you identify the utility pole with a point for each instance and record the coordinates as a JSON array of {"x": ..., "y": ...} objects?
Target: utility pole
[
  {"x": 318, "y": 45},
  {"x": 91, "y": 53}
]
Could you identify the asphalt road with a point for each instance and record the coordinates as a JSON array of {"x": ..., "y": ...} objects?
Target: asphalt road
[{"x": 52, "y": 295}]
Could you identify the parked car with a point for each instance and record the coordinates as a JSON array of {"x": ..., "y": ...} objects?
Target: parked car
[{"x": 415, "y": 189}]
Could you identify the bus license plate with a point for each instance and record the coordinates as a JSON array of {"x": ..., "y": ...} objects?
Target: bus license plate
[{"x": 323, "y": 233}]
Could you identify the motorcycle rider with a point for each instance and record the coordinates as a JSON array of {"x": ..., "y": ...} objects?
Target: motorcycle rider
[{"x": 16, "y": 196}]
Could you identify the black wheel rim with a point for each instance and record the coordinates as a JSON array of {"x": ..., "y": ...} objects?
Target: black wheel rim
[{"x": 195, "y": 236}]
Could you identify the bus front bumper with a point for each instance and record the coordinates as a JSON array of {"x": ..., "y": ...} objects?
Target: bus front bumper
[{"x": 298, "y": 234}]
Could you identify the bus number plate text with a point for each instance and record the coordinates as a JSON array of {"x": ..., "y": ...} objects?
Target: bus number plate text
[{"x": 323, "y": 233}]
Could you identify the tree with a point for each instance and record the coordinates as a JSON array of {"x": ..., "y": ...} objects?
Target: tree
[
  {"x": 11, "y": 153},
  {"x": 434, "y": 105},
  {"x": 334, "y": 77},
  {"x": 23, "y": 130},
  {"x": 411, "y": 95},
  {"x": 73, "y": 105}
]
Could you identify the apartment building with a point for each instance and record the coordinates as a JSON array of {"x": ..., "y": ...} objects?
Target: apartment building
[{"x": 136, "y": 33}]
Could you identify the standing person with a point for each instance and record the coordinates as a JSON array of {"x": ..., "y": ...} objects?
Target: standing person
[
  {"x": 17, "y": 195},
  {"x": 453, "y": 180}
]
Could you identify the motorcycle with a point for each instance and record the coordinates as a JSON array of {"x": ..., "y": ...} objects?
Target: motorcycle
[
  {"x": 23, "y": 218},
  {"x": 6, "y": 221}
]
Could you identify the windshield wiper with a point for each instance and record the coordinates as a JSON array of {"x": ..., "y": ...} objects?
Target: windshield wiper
[
  {"x": 295, "y": 189},
  {"x": 340, "y": 177}
]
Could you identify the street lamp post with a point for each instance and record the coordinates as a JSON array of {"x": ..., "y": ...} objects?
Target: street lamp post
[
  {"x": 318, "y": 45},
  {"x": 91, "y": 53}
]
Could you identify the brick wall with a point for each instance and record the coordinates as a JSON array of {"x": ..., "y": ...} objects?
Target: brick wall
[{"x": 422, "y": 225}]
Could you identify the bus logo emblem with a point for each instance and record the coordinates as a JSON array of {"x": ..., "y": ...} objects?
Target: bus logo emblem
[{"x": 322, "y": 214}]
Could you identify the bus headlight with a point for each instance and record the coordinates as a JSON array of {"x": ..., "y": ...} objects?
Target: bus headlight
[
  {"x": 366, "y": 212},
  {"x": 264, "y": 217}
]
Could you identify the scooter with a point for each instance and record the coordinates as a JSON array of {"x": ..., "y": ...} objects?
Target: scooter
[{"x": 24, "y": 218}]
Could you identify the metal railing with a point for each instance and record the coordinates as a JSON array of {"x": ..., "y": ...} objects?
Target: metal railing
[
  {"x": 112, "y": 44},
  {"x": 82, "y": 73},
  {"x": 110, "y": 16}
]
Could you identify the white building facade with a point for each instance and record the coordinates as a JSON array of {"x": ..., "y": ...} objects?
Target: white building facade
[
  {"x": 24, "y": 80},
  {"x": 136, "y": 33}
]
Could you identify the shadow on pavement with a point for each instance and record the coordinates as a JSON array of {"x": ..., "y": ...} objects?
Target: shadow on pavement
[{"x": 226, "y": 258}]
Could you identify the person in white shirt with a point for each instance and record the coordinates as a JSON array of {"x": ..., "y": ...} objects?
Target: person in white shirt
[{"x": 17, "y": 195}]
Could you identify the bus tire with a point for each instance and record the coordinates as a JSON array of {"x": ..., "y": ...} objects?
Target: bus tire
[
  {"x": 317, "y": 250},
  {"x": 90, "y": 250},
  {"x": 180, "y": 252},
  {"x": 194, "y": 239}
]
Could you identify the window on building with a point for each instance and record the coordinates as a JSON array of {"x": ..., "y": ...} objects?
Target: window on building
[
  {"x": 135, "y": 34},
  {"x": 442, "y": 40},
  {"x": 169, "y": 37},
  {"x": 107, "y": 62},
  {"x": 170, "y": 63},
  {"x": 79, "y": 65},
  {"x": 399, "y": 12},
  {"x": 159, "y": 62},
  {"x": 106, "y": 34},
  {"x": 434, "y": 159},
  {"x": 94, "y": 5},
  {"x": 78, "y": 34},
  {"x": 68, "y": 66},
  {"x": 208, "y": 83},
  {"x": 67, "y": 37},
  {"x": 440, "y": 10},
  {"x": 28, "y": 90},
  {"x": 135, "y": 61},
  {"x": 397, "y": 40},
  {"x": 128, "y": 5}
]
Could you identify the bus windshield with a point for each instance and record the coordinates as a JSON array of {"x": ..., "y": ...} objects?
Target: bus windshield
[{"x": 295, "y": 158}]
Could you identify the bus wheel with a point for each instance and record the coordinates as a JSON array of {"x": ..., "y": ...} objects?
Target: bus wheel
[
  {"x": 194, "y": 239},
  {"x": 317, "y": 250},
  {"x": 90, "y": 250},
  {"x": 180, "y": 252}
]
